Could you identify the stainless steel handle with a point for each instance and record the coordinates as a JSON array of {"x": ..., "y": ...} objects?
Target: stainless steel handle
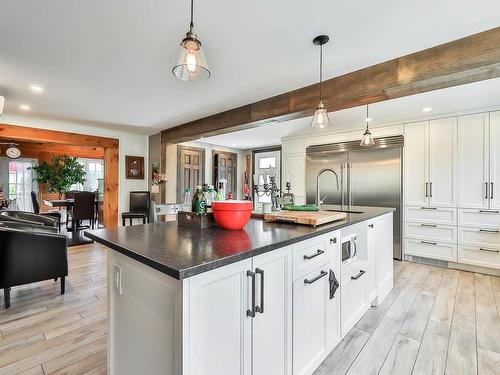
[
  {"x": 260, "y": 309},
  {"x": 489, "y": 250},
  {"x": 489, "y": 230},
  {"x": 429, "y": 243},
  {"x": 361, "y": 273},
  {"x": 491, "y": 191},
  {"x": 429, "y": 225},
  {"x": 430, "y": 189},
  {"x": 428, "y": 208},
  {"x": 314, "y": 279},
  {"x": 486, "y": 190},
  {"x": 318, "y": 252},
  {"x": 251, "y": 312},
  {"x": 333, "y": 240},
  {"x": 489, "y": 212},
  {"x": 426, "y": 189},
  {"x": 370, "y": 225}
]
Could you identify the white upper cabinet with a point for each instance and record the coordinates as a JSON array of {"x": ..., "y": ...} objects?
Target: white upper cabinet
[
  {"x": 494, "y": 160},
  {"x": 442, "y": 162},
  {"x": 416, "y": 163},
  {"x": 473, "y": 161}
]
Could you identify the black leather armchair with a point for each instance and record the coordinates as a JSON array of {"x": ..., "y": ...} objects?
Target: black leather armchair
[
  {"x": 28, "y": 256},
  {"x": 29, "y": 218}
]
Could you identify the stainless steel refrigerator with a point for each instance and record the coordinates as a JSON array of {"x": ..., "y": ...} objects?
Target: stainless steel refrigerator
[{"x": 367, "y": 177}]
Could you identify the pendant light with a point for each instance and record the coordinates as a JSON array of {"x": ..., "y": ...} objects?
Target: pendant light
[
  {"x": 367, "y": 140},
  {"x": 191, "y": 65},
  {"x": 320, "y": 119}
]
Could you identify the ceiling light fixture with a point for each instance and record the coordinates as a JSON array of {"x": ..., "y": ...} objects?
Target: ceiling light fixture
[
  {"x": 426, "y": 109},
  {"x": 367, "y": 140},
  {"x": 191, "y": 64},
  {"x": 320, "y": 119},
  {"x": 2, "y": 102},
  {"x": 24, "y": 107},
  {"x": 36, "y": 88}
]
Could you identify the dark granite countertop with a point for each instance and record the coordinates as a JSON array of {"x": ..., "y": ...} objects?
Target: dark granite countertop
[{"x": 181, "y": 252}]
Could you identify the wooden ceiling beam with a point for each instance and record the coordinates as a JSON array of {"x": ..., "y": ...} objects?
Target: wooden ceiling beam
[{"x": 470, "y": 59}]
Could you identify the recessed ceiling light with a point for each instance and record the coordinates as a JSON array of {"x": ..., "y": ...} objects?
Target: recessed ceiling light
[
  {"x": 234, "y": 145},
  {"x": 36, "y": 88},
  {"x": 24, "y": 107},
  {"x": 426, "y": 109},
  {"x": 368, "y": 119}
]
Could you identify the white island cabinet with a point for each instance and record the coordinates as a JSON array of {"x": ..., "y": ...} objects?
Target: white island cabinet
[{"x": 270, "y": 314}]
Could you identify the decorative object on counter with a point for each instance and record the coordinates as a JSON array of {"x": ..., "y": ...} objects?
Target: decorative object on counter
[
  {"x": 246, "y": 188},
  {"x": 199, "y": 206},
  {"x": 187, "y": 206},
  {"x": 270, "y": 189},
  {"x": 232, "y": 215},
  {"x": 367, "y": 140},
  {"x": 190, "y": 219},
  {"x": 320, "y": 119},
  {"x": 156, "y": 177},
  {"x": 60, "y": 174},
  {"x": 134, "y": 167},
  {"x": 12, "y": 151},
  {"x": 191, "y": 64},
  {"x": 288, "y": 198},
  {"x": 306, "y": 218},
  {"x": 221, "y": 189}
]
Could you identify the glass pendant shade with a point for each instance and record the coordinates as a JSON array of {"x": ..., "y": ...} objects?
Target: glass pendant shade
[
  {"x": 367, "y": 139},
  {"x": 191, "y": 64},
  {"x": 320, "y": 119}
]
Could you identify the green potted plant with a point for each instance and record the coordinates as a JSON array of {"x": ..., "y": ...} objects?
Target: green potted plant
[{"x": 58, "y": 175}]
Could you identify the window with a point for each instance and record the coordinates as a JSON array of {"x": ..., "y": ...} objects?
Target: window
[
  {"x": 21, "y": 184},
  {"x": 94, "y": 170},
  {"x": 265, "y": 163}
]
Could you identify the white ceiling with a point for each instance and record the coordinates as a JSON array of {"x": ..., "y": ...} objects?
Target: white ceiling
[
  {"x": 474, "y": 96},
  {"x": 110, "y": 61}
]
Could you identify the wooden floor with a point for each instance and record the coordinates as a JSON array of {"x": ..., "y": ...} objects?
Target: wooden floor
[{"x": 434, "y": 321}]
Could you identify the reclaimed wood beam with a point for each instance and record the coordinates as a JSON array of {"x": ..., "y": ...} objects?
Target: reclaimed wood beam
[{"x": 470, "y": 59}]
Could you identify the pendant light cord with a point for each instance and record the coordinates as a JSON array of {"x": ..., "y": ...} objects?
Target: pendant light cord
[
  {"x": 367, "y": 117},
  {"x": 320, "y": 73},
  {"x": 192, "y": 7}
]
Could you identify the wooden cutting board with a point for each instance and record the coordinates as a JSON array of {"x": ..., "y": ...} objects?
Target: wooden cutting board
[{"x": 306, "y": 218}]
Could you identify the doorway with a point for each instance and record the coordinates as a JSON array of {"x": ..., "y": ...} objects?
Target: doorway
[
  {"x": 190, "y": 169},
  {"x": 225, "y": 167},
  {"x": 266, "y": 164}
]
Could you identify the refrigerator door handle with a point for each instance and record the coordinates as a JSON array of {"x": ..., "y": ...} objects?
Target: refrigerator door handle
[{"x": 342, "y": 169}]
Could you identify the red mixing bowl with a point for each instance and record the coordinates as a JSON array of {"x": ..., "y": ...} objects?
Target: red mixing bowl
[{"x": 232, "y": 215}]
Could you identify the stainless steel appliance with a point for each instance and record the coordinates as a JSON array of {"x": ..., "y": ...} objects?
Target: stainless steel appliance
[
  {"x": 368, "y": 177},
  {"x": 349, "y": 248}
]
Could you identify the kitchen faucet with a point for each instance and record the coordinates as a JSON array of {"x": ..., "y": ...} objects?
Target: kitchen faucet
[{"x": 319, "y": 201}]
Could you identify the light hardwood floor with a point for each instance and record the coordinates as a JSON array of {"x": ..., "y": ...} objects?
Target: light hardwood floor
[{"x": 434, "y": 321}]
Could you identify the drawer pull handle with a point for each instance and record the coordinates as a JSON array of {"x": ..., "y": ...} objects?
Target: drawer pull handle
[
  {"x": 318, "y": 252},
  {"x": 370, "y": 225},
  {"x": 314, "y": 279},
  {"x": 428, "y": 243},
  {"x": 260, "y": 309},
  {"x": 491, "y": 192},
  {"x": 489, "y": 231},
  {"x": 489, "y": 212},
  {"x": 428, "y": 208},
  {"x": 361, "y": 273},
  {"x": 489, "y": 250},
  {"x": 429, "y": 225},
  {"x": 333, "y": 240},
  {"x": 251, "y": 312}
]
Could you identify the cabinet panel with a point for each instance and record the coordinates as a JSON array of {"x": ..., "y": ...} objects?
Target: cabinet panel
[
  {"x": 432, "y": 232},
  {"x": 219, "y": 299},
  {"x": 354, "y": 294},
  {"x": 309, "y": 255},
  {"x": 495, "y": 160},
  {"x": 433, "y": 250},
  {"x": 479, "y": 218},
  {"x": 479, "y": 256},
  {"x": 416, "y": 163},
  {"x": 442, "y": 162},
  {"x": 295, "y": 165},
  {"x": 473, "y": 161},
  {"x": 272, "y": 324},
  {"x": 484, "y": 237},
  {"x": 434, "y": 215}
]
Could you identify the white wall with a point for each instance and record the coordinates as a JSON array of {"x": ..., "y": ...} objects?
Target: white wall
[{"x": 130, "y": 144}]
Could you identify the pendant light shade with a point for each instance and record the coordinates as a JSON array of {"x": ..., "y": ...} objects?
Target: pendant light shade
[
  {"x": 191, "y": 64},
  {"x": 320, "y": 119},
  {"x": 367, "y": 140}
]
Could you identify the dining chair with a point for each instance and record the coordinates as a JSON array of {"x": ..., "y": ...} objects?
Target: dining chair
[
  {"x": 83, "y": 209},
  {"x": 139, "y": 207},
  {"x": 36, "y": 209}
]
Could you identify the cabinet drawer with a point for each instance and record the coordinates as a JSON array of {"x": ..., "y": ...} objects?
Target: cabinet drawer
[
  {"x": 479, "y": 256},
  {"x": 484, "y": 237},
  {"x": 430, "y": 249},
  {"x": 447, "y": 216},
  {"x": 309, "y": 255},
  {"x": 479, "y": 218},
  {"x": 431, "y": 232}
]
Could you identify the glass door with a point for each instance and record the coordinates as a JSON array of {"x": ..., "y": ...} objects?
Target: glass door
[
  {"x": 266, "y": 164},
  {"x": 21, "y": 184}
]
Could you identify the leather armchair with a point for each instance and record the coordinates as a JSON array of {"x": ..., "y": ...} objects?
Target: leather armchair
[
  {"x": 29, "y": 218},
  {"x": 28, "y": 256}
]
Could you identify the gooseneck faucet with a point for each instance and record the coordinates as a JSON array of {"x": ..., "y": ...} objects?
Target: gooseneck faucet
[{"x": 319, "y": 201}]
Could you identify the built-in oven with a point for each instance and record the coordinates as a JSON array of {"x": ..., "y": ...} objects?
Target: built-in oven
[{"x": 349, "y": 248}]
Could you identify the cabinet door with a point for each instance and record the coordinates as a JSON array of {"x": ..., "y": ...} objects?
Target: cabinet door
[
  {"x": 272, "y": 325},
  {"x": 442, "y": 162},
  {"x": 473, "y": 161},
  {"x": 313, "y": 312},
  {"x": 495, "y": 160},
  {"x": 354, "y": 297},
  {"x": 416, "y": 163},
  {"x": 217, "y": 330}
]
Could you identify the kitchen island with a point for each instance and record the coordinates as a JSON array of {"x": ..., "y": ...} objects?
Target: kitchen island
[{"x": 270, "y": 299}]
